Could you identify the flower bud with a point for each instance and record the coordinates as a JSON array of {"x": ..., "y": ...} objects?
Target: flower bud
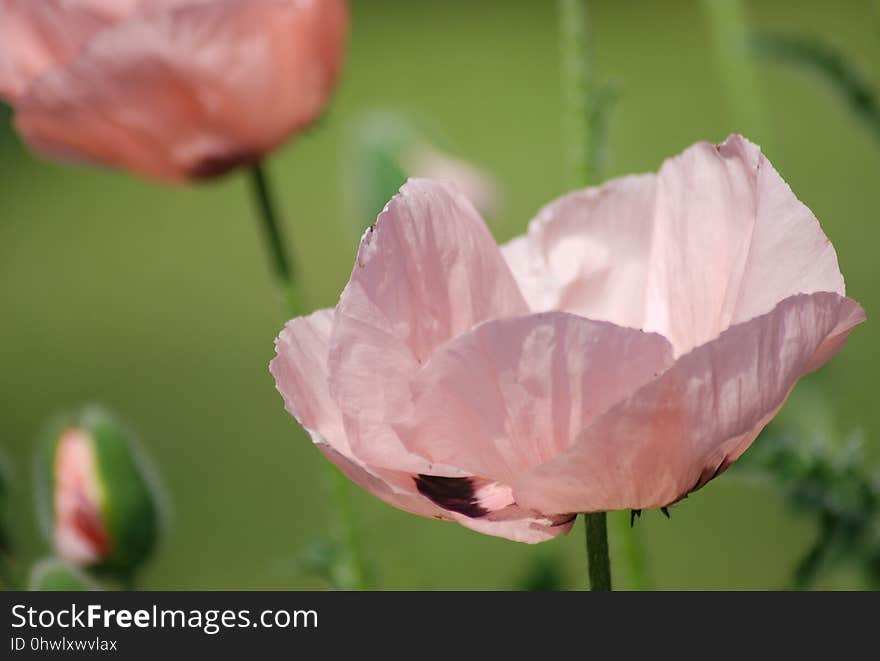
[
  {"x": 423, "y": 160},
  {"x": 386, "y": 149},
  {"x": 97, "y": 502}
]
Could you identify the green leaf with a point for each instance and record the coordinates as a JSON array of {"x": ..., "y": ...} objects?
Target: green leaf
[
  {"x": 828, "y": 64},
  {"x": 822, "y": 475}
]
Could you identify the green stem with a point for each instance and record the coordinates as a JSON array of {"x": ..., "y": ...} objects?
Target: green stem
[
  {"x": 876, "y": 6},
  {"x": 9, "y": 575},
  {"x": 597, "y": 551},
  {"x": 350, "y": 537},
  {"x": 293, "y": 302},
  {"x": 281, "y": 263},
  {"x": 730, "y": 33},
  {"x": 582, "y": 148},
  {"x": 576, "y": 71}
]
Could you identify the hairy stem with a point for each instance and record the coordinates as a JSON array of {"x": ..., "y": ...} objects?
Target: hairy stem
[
  {"x": 576, "y": 71},
  {"x": 293, "y": 304},
  {"x": 729, "y": 29},
  {"x": 582, "y": 156}
]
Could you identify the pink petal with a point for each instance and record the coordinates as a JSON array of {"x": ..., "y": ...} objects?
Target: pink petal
[
  {"x": 788, "y": 252},
  {"x": 512, "y": 393},
  {"x": 716, "y": 238},
  {"x": 80, "y": 535},
  {"x": 499, "y": 519},
  {"x": 529, "y": 530},
  {"x": 189, "y": 91},
  {"x": 587, "y": 253},
  {"x": 39, "y": 35},
  {"x": 426, "y": 272},
  {"x": 408, "y": 500},
  {"x": 300, "y": 371},
  {"x": 730, "y": 242},
  {"x": 679, "y": 431}
]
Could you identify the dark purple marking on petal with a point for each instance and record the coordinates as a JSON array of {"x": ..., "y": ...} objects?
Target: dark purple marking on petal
[{"x": 456, "y": 494}]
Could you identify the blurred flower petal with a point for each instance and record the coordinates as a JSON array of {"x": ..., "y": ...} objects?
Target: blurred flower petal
[
  {"x": 39, "y": 35},
  {"x": 426, "y": 162},
  {"x": 191, "y": 90}
]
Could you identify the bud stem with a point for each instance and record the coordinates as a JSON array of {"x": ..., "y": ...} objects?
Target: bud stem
[
  {"x": 293, "y": 304},
  {"x": 9, "y": 577},
  {"x": 729, "y": 28}
]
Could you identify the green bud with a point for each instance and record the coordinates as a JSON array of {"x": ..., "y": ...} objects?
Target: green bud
[
  {"x": 386, "y": 149},
  {"x": 98, "y": 503}
]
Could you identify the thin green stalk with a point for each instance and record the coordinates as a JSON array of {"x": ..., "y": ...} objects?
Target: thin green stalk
[
  {"x": 350, "y": 537},
  {"x": 876, "y": 7},
  {"x": 582, "y": 149},
  {"x": 730, "y": 34},
  {"x": 293, "y": 302},
  {"x": 576, "y": 71},
  {"x": 597, "y": 551},
  {"x": 281, "y": 263},
  {"x": 9, "y": 575}
]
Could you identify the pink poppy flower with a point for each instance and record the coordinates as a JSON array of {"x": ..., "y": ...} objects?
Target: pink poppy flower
[
  {"x": 620, "y": 355},
  {"x": 170, "y": 89}
]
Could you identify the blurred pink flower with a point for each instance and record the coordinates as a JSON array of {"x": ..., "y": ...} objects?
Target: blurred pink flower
[
  {"x": 478, "y": 186},
  {"x": 170, "y": 89},
  {"x": 79, "y": 532},
  {"x": 620, "y": 355}
]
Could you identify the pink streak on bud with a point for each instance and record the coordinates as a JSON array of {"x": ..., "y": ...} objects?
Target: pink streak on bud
[{"x": 80, "y": 535}]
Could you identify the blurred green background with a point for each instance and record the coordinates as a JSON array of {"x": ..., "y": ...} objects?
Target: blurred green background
[{"x": 157, "y": 302}]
